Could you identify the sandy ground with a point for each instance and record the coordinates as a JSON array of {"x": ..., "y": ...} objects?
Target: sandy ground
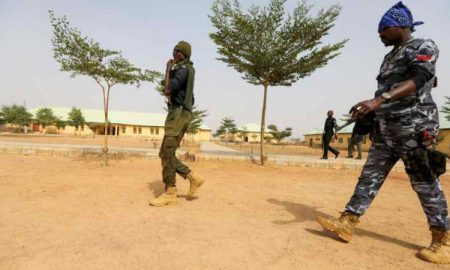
[{"x": 61, "y": 213}]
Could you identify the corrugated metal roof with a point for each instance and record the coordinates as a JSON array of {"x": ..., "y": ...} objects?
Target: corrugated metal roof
[
  {"x": 115, "y": 117},
  {"x": 251, "y": 127}
]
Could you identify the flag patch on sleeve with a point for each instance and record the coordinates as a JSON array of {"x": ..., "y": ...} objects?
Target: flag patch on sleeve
[{"x": 423, "y": 57}]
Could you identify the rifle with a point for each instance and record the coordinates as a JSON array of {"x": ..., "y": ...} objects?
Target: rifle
[
  {"x": 347, "y": 123},
  {"x": 364, "y": 125}
]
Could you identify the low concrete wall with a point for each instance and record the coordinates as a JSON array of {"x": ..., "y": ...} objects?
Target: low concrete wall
[{"x": 74, "y": 151}]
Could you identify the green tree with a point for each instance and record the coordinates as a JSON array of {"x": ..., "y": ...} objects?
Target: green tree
[
  {"x": 220, "y": 131},
  {"x": 270, "y": 48},
  {"x": 446, "y": 109},
  {"x": 60, "y": 124},
  {"x": 227, "y": 126},
  {"x": 76, "y": 118},
  {"x": 80, "y": 55},
  {"x": 279, "y": 135},
  {"x": 45, "y": 117},
  {"x": 159, "y": 87},
  {"x": 197, "y": 120},
  {"x": 16, "y": 115},
  {"x": 197, "y": 114}
]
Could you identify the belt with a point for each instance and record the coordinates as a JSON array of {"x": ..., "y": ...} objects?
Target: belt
[{"x": 173, "y": 107}]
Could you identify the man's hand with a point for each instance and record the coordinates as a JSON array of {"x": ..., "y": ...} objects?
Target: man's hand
[
  {"x": 364, "y": 107},
  {"x": 169, "y": 65},
  {"x": 166, "y": 93}
]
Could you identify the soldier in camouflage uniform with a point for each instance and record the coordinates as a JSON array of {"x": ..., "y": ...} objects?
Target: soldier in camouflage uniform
[
  {"x": 179, "y": 89},
  {"x": 407, "y": 126}
]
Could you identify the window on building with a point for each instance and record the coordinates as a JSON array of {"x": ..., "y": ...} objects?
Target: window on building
[
  {"x": 134, "y": 130},
  {"x": 124, "y": 129},
  {"x": 152, "y": 131},
  {"x": 157, "y": 131},
  {"x": 341, "y": 140},
  {"x": 140, "y": 130}
]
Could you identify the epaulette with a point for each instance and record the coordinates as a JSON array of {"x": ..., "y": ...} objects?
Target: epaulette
[{"x": 416, "y": 43}]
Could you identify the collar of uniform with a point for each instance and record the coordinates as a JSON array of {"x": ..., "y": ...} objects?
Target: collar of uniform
[
  {"x": 396, "y": 50},
  {"x": 183, "y": 63}
]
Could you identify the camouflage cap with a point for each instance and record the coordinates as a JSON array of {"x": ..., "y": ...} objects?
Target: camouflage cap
[{"x": 184, "y": 47}]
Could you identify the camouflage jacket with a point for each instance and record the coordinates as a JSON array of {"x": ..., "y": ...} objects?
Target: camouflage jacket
[{"x": 418, "y": 111}]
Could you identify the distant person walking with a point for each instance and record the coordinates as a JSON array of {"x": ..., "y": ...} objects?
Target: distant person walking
[
  {"x": 329, "y": 131},
  {"x": 356, "y": 139}
]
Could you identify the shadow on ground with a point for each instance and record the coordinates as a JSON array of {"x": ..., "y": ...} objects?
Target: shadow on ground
[
  {"x": 157, "y": 188},
  {"x": 303, "y": 212}
]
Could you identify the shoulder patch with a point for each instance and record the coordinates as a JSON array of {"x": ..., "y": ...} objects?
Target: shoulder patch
[{"x": 423, "y": 57}]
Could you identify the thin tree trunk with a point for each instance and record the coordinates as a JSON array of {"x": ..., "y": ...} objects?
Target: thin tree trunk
[
  {"x": 105, "y": 142},
  {"x": 263, "y": 124},
  {"x": 226, "y": 138}
]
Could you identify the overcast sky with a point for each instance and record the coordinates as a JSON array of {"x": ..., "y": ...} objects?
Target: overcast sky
[{"x": 146, "y": 32}]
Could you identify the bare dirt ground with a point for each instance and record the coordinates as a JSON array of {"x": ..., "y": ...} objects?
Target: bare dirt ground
[{"x": 71, "y": 213}]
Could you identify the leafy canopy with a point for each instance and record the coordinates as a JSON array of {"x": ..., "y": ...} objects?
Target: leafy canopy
[
  {"x": 82, "y": 56},
  {"x": 269, "y": 46},
  {"x": 15, "y": 114},
  {"x": 446, "y": 108},
  {"x": 45, "y": 117},
  {"x": 279, "y": 135},
  {"x": 76, "y": 118},
  {"x": 196, "y": 120},
  {"x": 227, "y": 125}
]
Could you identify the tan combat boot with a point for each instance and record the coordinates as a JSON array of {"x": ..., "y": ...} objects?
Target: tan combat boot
[
  {"x": 167, "y": 198},
  {"x": 195, "y": 181},
  {"x": 435, "y": 253},
  {"x": 342, "y": 226}
]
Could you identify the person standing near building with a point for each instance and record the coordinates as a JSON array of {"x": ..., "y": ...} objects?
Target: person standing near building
[
  {"x": 356, "y": 139},
  {"x": 329, "y": 131},
  {"x": 407, "y": 129},
  {"x": 179, "y": 89}
]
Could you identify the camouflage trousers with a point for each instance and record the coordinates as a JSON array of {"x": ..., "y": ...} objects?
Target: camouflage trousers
[
  {"x": 383, "y": 155},
  {"x": 176, "y": 124}
]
